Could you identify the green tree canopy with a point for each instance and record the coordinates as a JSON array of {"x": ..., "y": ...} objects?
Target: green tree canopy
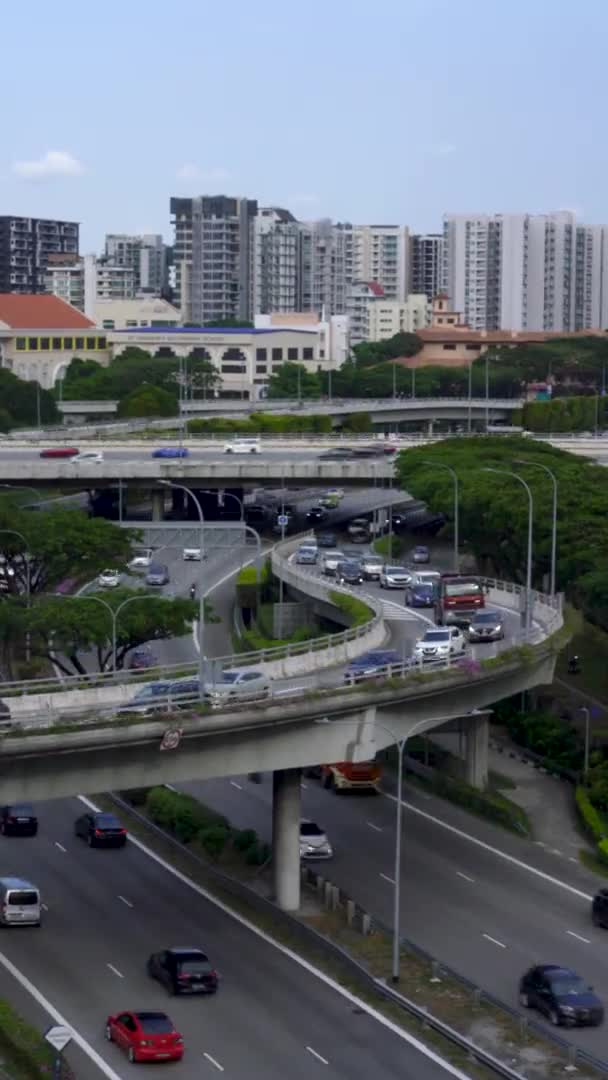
[
  {"x": 292, "y": 378},
  {"x": 125, "y": 374},
  {"x": 148, "y": 400},
  {"x": 20, "y": 402}
]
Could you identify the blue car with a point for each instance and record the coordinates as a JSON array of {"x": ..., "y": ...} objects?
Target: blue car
[
  {"x": 171, "y": 452},
  {"x": 371, "y": 665},
  {"x": 420, "y": 596}
]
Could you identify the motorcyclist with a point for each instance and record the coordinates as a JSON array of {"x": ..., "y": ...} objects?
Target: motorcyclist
[{"x": 193, "y": 591}]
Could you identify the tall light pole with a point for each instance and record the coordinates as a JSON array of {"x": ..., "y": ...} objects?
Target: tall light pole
[
  {"x": 454, "y": 475},
  {"x": 520, "y": 480},
  {"x": 227, "y": 495},
  {"x": 201, "y": 600},
  {"x": 470, "y": 412},
  {"x": 28, "y": 583},
  {"x": 537, "y": 465},
  {"x": 114, "y": 613}
]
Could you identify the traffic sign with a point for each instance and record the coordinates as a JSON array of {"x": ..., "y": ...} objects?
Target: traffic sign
[
  {"x": 58, "y": 1035},
  {"x": 171, "y": 739},
  {"x": 283, "y": 519}
]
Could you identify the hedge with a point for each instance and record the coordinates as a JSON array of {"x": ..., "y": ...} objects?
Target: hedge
[
  {"x": 593, "y": 823},
  {"x": 487, "y": 804},
  {"x": 191, "y": 821},
  {"x": 358, "y": 612},
  {"x": 25, "y": 1045}
]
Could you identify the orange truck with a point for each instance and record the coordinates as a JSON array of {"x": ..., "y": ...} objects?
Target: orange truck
[{"x": 352, "y": 776}]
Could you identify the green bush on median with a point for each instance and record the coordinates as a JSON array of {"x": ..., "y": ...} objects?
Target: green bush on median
[
  {"x": 358, "y": 612},
  {"x": 191, "y": 821},
  {"x": 214, "y": 839},
  {"x": 23, "y": 1047}
]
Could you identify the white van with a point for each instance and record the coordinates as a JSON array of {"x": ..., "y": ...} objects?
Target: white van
[
  {"x": 243, "y": 446},
  {"x": 19, "y": 902}
]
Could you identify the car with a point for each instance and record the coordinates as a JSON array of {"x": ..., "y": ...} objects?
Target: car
[
  {"x": 255, "y": 513},
  {"x": 183, "y": 970},
  {"x": 171, "y": 452},
  {"x": 145, "y": 1036},
  {"x": 100, "y": 829},
  {"x": 338, "y": 453},
  {"x": 420, "y": 595},
  {"x": 421, "y": 554},
  {"x": 335, "y": 493},
  {"x": 331, "y": 560},
  {"x": 243, "y": 446},
  {"x": 394, "y": 577},
  {"x": 349, "y": 572},
  {"x": 158, "y": 574},
  {"x": 316, "y": 515},
  {"x": 599, "y": 909},
  {"x": 140, "y": 563},
  {"x": 313, "y": 842},
  {"x": 561, "y": 995},
  {"x": 193, "y": 554},
  {"x": 93, "y": 457},
  {"x": 426, "y": 577},
  {"x": 326, "y": 540},
  {"x": 60, "y": 452},
  {"x": 307, "y": 554},
  {"x": 149, "y": 698},
  {"x": 374, "y": 664},
  {"x": 371, "y": 566},
  {"x": 440, "y": 643},
  {"x": 109, "y": 579},
  {"x": 18, "y": 819},
  {"x": 329, "y": 502},
  {"x": 486, "y": 626},
  {"x": 242, "y": 684},
  {"x": 142, "y": 658}
]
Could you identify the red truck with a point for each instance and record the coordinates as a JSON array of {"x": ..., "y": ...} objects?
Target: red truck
[{"x": 352, "y": 776}]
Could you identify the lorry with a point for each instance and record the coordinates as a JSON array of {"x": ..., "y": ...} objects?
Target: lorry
[{"x": 351, "y": 776}]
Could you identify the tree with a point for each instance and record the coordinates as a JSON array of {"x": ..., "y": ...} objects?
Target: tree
[
  {"x": 148, "y": 400},
  {"x": 291, "y": 379},
  {"x": 64, "y": 628},
  {"x": 20, "y": 401}
]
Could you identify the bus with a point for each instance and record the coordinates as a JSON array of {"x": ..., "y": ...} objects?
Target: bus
[{"x": 458, "y": 598}]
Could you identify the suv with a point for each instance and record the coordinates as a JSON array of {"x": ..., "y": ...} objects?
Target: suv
[
  {"x": 371, "y": 566},
  {"x": 349, "y": 572},
  {"x": 561, "y": 995},
  {"x": 441, "y": 643},
  {"x": 243, "y": 685},
  {"x": 331, "y": 562},
  {"x": 486, "y": 626},
  {"x": 18, "y": 819},
  {"x": 307, "y": 554},
  {"x": 242, "y": 446},
  {"x": 599, "y": 909}
]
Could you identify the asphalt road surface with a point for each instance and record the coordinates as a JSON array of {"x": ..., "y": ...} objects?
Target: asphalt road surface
[{"x": 108, "y": 910}]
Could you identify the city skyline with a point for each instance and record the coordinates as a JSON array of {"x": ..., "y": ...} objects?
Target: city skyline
[{"x": 107, "y": 149}]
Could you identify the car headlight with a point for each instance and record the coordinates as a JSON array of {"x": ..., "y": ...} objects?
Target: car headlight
[{"x": 567, "y": 1010}]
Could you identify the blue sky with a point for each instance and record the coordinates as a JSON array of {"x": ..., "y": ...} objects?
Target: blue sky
[{"x": 389, "y": 112}]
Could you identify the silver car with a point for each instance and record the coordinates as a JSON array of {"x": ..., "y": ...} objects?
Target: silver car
[
  {"x": 486, "y": 626},
  {"x": 314, "y": 843},
  {"x": 394, "y": 577},
  {"x": 307, "y": 554},
  {"x": 331, "y": 559},
  {"x": 240, "y": 684},
  {"x": 158, "y": 574},
  {"x": 371, "y": 565}
]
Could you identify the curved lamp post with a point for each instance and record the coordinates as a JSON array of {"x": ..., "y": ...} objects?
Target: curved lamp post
[
  {"x": 551, "y": 474},
  {"x": 114, "y": 613},
  {"x": 520, "y": 480}
]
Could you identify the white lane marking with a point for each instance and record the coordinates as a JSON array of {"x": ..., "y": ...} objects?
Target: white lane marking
[
  {"x": 290, "y": 690},
  {"x": 45, "y": 907},
  {"x": 372, "y": 826},
  {"x": 390, "y": 880},
  {"x": 61, "y": 847},
  {"x": 578, "y": 937},
  {"x": 115, "y": 971},
  {"x": 494, "y": 941},
  {"x": 555, "y": 851},
  {"x": 358, "y": 1002},
  {"x": 493, "y": 851},
  {"x": 466, "y": 877},
  {"x": 125, "y": 901},
  {"x": 58, "y": 1017},
  {"x": 318, "y": 1056},
  {"x": 217, "y": 1065},
  {"x": 237, "y": 786}
]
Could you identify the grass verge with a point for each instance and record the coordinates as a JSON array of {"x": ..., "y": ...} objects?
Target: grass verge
[{"x": 25, "y": 1053}]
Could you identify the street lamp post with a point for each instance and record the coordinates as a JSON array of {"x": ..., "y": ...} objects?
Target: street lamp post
[
  {"x": 470, "y": 411},
  {"x": 227, "y": 495},
  {"x": 551, "y": 474},
  {"x": 454, "y": 475},
  {"x": 515, "y": 476},
  {"x": 114, "y": 613},
  {"x": 201, "y": 602}
]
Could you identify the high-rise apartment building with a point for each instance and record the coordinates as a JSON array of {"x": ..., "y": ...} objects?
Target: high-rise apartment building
[
  {"x": 380, "y": 254},
  {"x": 591, "y": 278},
  {"x": 276, "y": 254},
  {"x": 424, "y": 264},
  {"x": 214, "y": 257},
  {"x": 146, "y": 255},
  {"x": 83, "y": 280},
  {"x": 25, "y": 247},
  {"x": 511, "y": 271},
  {"x": 323, "y": 267}
]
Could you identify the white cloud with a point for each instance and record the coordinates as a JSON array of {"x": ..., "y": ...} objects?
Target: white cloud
[
  {"x": 190, "y": 172},
  {"x": 53, "y": 163},
  {"x": 441, "y": 149}
]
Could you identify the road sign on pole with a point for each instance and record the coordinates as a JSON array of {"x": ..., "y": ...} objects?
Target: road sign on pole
[
  {"x": 58, "y": 1035},
  {"x": 283, "y": 520},
  {"x": 171, "y": 739}
]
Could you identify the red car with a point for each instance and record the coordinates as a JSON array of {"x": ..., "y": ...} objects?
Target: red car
[
  {"x": 60, "y": 451},
  {"x": 145, "y": 1036}
]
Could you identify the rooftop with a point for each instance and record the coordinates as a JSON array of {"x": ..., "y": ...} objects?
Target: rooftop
[
  {"x": 223, "y": 330},
  {"x": 31, "y": 311}
]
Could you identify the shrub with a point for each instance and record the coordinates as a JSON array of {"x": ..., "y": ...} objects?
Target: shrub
[
  {"x": 160, "y": 804},
  {"x": 548, "y": 736},
  {"x": 213, "y": 839},
  {"x": 257, "y": 854},
  {"x": 187, "y": 820},
  {"x": 24, "y": 1044},
  {"x": 602, "y": 851},
  {"x": 244, "y": 839},
  {"x": 487, "y": 804},
  {"x": 136, "y": 796},
  {"x": 357, "y": 611},
  {"x": 589, "y": 816}
]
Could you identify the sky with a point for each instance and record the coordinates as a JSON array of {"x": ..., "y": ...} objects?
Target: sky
[{"x": 393, "y": 112}]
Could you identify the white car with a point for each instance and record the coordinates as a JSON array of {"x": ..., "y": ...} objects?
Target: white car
[
  {"x": 193, "y": 554},
  {"x": 109, "y": 579},
  {"x": 395, "y": 577},
  {"x": 240, "y": 684},
  {"x": 243, "y": 446},
  {"x": 331, "y": 559},
  {"x": 314, "y": 843},
  {"x": 426, "y": 577},
  {"x": 442, "y": 643},
  {"x": 92, "y": 457},
  {"x": 140, "y": 564}
]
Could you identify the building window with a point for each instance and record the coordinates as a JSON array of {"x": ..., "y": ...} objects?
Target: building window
[
  {"x": 448, "y": 346},
  {"x": 101, "y": 343},
  {"x": 473, "y": 348},
  {"x": 20, "y": 344},
  {"x": 261, "y": 369},
  {"x": 90, "y": 343},
  {"x": 277, "y": 354},
  {"x": 131, "y": 322},
  {"x": 45, "y": 343},
  {"x": 108, "y": 324},
  {"x": 56, "y": 343},
  {"x": 32, "y": 344},
  {"x": 233, "y": 369},
  {"x": 260, "y": 355},
  {"x": 79, "y": 343},
  {"x": 321, "y": 354},
  {"x": 68, "y": 343},
  {"x": 292, "y": 354},
  {"x": 308, "y": 354}
]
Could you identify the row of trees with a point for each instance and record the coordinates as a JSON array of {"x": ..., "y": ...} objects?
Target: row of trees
[
  {"x": 564, "y": 414},
  {"x": 66, "y": 546},
  {"x": 24, "y": 403},
  {"x": 140, "y": 381},
  {"x": 494, "y": 511}
]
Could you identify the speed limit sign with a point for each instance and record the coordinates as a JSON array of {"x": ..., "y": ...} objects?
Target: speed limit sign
[{"x": 171, "y": 739}]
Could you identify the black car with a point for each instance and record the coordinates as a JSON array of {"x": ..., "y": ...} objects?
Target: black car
[
  {"x": 18, "y": 819},
  {"x": 183, "y": 970},
  {"x": 486, "y": 626},
  {"x": 100, "y": 830},
  {"x": 339, "y": 453},
  {"x": 599, "y": 909},
  {"x": 561, "y": 995},
  {"x": 349, "y": 572},
  {"x": 316, "y": 515},
  {"x": 255, "y": 512},
  {"x": 327, "y": 540}
]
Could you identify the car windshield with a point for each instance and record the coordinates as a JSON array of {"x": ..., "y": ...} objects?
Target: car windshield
[
  {"x": 308, "y": 828},
  {"x": 351, "y": 567},
  {"x": 107, "y": 821},
  {"x": 154, "y": 1023},
  {"x": 462, "y": 588},
  {"x": 375, "y": 559},
  {"x": 229, "y": 676},
  {"x": 22, "y": 810},
  {"x": 424, "y": 589},
  {"x": 437, "y": 635},
  {"x": 487, "y": 617},
  {"x": 195, "y": 966},
  {"x": 109, "y": 573},
  {"x": 568, "y": 984},
  {"x": 395, "y": 570},
  {"x": 155, "y": 690}
]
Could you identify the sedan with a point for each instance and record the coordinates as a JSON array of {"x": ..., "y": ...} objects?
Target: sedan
[
  {"x": 142, "y": 658},
  {"x": 158, "y": 574},
  {"x": 18, "y": 819},
  {"x": 60, "y": 452},
  {"x": 192, "y": 554},
  {"x": 343, "y": 453},
  {"x": 440, "y": 644},
  {"x": 561, "y": 995},
  {"x": 375, "y": 664},
  {"x": 92, "y": 457},
  {"x": 183, "y": 970},
  {"x": 139, "y": 564},
  {"x": 486, "y": 626},
  {"x": 171, "y": 452},
  {"x": 421, "y": 554},
  {"x": 394, "y": 577},
  {"x": 145, "y": 1036},
  {"x": 349, "y": 572},
  {"x": 314, "y": 843},
  {"x": 242, "y": 685},
  {"x": 331, "y": 561},
  {"x": 420, "y": 595},
  {"x": 100, "y": 830},
  {"x": 316, "y": 515},
  {"x": 109, "y": 579}
]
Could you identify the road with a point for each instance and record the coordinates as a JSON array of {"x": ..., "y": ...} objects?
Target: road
[
  {"x": 108, "y": 910},
  {"x": 144, "y": 453},
  {"x": 477, "y": 910}
]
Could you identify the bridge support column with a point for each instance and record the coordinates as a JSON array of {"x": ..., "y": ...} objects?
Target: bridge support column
[
  {"x": 476, "y": 753},
  {"x": 158, "y": 504},
  {"x": 429, "y": 428},
  {"x": 286, "y": 808},
  {"x": 178, "y": 500}
]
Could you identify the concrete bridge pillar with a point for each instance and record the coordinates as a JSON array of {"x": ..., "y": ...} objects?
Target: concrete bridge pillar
[
  {"x": 476, "y": 751},
  {"x": 158, "y": 504},
  {"x": 429, "y": 428},
  {"x": 178, "y": 500},
  {"x": 286, "y": 810}
]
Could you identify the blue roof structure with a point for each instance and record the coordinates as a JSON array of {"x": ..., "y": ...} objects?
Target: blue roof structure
[{"x": 211, "y": 330}]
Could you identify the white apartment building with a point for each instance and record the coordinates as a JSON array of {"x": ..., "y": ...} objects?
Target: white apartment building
[
  {"x": 275, "y": 261},
  {"x": 332, "y": 333},
  {"x": 84, "y": 280},
  {"x": 389, "y": 317},
  {"x": 591, "y": 278},
  {"x": 145, "y": 254},
  {"x": 128, "y": 314},
  {"x": 379, "y": 253}
]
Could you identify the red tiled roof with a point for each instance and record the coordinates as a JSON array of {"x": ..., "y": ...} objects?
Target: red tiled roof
[
  {"x": 376, "y": 288},
  {"x": 464, "y": 335},
  {"x": 26, "y": 311}
]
